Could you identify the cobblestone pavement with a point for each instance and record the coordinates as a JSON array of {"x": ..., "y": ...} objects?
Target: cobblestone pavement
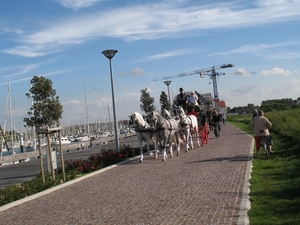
[{"x": 206, "y": 185}]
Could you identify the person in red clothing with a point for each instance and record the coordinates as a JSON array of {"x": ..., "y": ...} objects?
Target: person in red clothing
[
  {"x": 193, "y": 112},
  {"x": 260, "y": 126}
]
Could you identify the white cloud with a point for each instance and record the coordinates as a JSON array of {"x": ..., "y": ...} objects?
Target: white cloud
[
  {"x": 277, "y": 71},
  {"x": 271, "y": 51},
  {"x": 257, "y": 92},
  {"x": 31, "y": 50},
  {"x": 137, "y": 72},
  {"x": 77, "y": 4},
  {"x": 14, "y": 71},
  {"x": 266, "y": 3},
  {"x": 16, "y": 31},
  {"x": 134, "y": 72},
  {"x": 244, "y": 90},
  {"x": 149, "y": 22},
  {"x": 168, "y": 54}
]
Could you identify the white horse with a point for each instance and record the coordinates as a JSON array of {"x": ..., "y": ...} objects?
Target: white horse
[
  {"x": 166, "y": 130},
  {"x": 165, "y": 114},
  {"x": 143, "y": 132},
  {"x": 188, "y": 122}
]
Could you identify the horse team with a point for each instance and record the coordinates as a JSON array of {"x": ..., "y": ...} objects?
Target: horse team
[{"x": 166, "y": 131}]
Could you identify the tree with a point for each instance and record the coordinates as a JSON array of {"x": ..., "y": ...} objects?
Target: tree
[
  {"x": 46, "y": 109},
  {"x": 146, "y": 101},
  {"x": 164, "y": 102}
]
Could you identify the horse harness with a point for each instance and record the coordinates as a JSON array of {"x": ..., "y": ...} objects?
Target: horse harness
[{"x": 185, "y": 124}]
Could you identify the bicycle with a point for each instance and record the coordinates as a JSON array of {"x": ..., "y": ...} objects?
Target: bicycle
[{"x": 266, "y": 142}]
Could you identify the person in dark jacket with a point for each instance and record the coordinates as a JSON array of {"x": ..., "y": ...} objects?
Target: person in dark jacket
[
  {"x": 182, "y": 99},
  {"x": 216, "y": 119}
]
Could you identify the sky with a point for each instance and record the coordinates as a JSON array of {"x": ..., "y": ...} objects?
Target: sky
[{"x": 63, "y": 41}]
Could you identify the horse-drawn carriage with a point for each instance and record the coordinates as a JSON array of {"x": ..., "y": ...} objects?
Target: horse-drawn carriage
[
  {"x": 200, "y": 112},
  {"x": 166, "y": 129},
  {"x": 200, "y": 107}
]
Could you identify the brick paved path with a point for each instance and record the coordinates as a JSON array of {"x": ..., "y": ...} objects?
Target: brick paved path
[{"x": 203, "y": 186}]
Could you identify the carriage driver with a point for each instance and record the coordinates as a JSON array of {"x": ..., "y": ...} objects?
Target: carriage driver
[{"x": 182, "y": 99}]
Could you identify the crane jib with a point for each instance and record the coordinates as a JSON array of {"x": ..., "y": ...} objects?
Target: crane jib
[{"x": 201, "y": 72}]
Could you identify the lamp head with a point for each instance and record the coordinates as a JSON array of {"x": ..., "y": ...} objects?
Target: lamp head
[
  {"x": 167, "y": 82},
  {"x": 109, "y": 53}
]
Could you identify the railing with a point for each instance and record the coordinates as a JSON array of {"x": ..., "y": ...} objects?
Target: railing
[{"x": 79, "y": 145}]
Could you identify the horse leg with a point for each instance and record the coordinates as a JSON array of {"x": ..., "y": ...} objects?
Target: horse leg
[
  {"x": 171, "y": 151},
  {"x": 191, "y": 139},
  {"x": 141, "y": 156},
  {"x": 140, "y": 142},
  {"x": 156, "y": 153},
  {"x": 198, "y": 139},
  {"x": 164, "y": 158},
  {"x": 154, "y": 143},
  {"x": 187, "y": 136},
  {"x": 149, "y": 138},
  {"x": 178, "y": 145},
  {"x": 149, "y": 151}
]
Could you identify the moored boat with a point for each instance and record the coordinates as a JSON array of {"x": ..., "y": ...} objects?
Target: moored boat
[
  {"x": 82, "y": 138},
  {"x": 64, "y": 141}
]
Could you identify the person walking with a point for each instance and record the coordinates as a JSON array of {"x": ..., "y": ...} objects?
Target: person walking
[
  {"x": 216, "y": 120},
  {"x": 260, "y": 126},
  {"x": 223, "y": 118}
]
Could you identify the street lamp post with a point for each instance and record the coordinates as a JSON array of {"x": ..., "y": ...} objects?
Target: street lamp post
[
  {"x": 110, "y": 54},
  {"x": 168, "y": 82}
]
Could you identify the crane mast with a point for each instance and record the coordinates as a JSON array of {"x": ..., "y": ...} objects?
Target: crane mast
[{"x": 213, "y": 75}]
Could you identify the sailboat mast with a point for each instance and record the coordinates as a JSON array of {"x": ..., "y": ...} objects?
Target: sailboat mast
[
  {"x": 86, "y": 112},
  {"x": 11, "y": 122},
  {"x": 4, "y": 127}
]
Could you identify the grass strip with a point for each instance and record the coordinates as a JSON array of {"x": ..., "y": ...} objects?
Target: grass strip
[{"x": 275, "y": 182}]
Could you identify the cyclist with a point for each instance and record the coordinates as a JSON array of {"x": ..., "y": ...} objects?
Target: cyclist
[{"x": 260, "y": 125}]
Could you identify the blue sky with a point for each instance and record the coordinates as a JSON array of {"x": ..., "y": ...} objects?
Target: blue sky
[{"x": 63, "y": 40}]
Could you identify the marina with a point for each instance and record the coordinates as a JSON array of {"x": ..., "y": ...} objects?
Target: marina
[{"x": 16, "y": 156}]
